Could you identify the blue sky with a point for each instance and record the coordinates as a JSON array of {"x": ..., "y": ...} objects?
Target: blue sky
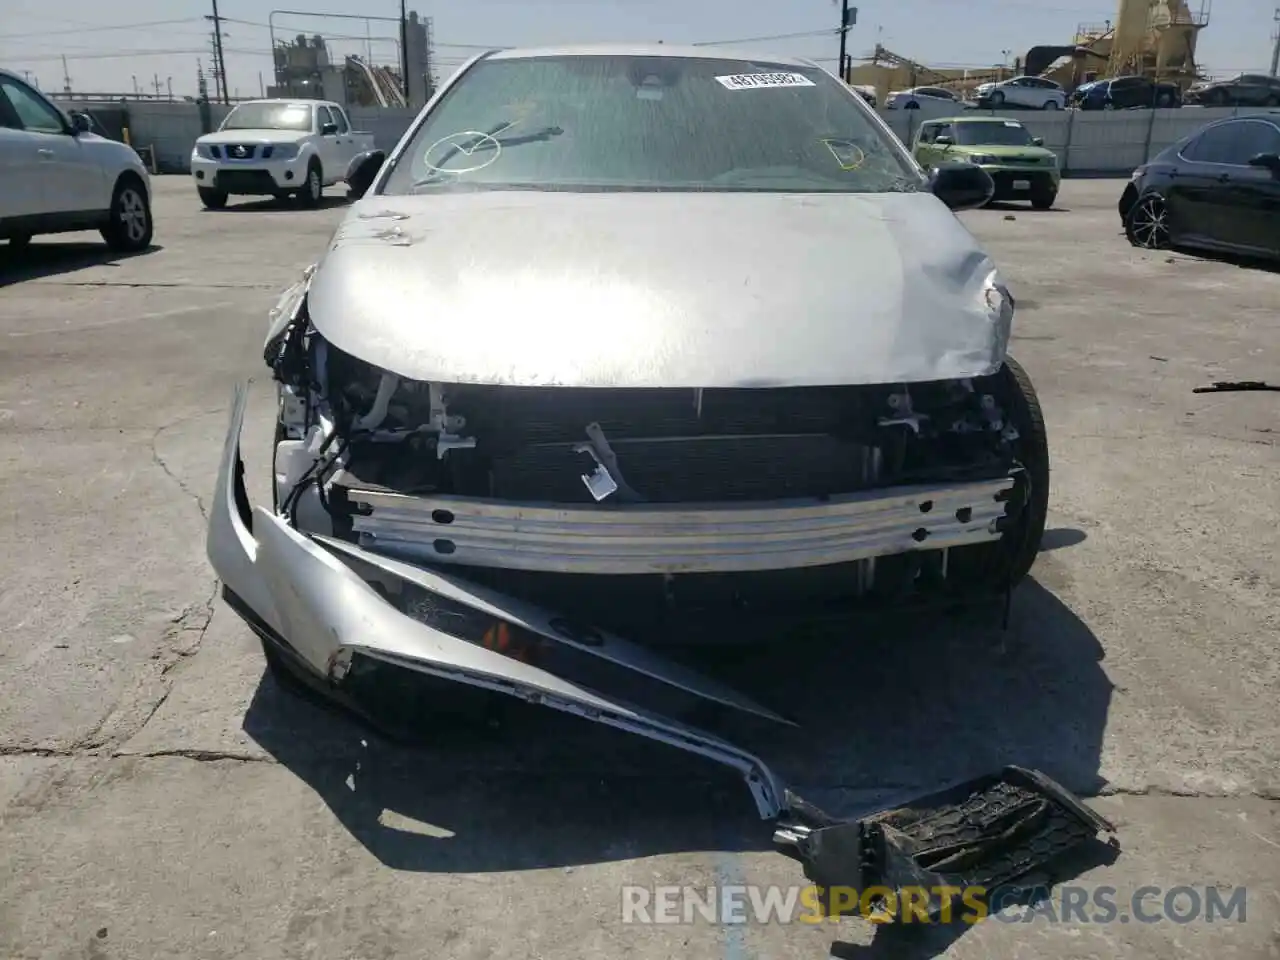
[{"x": 104, "y": 56}]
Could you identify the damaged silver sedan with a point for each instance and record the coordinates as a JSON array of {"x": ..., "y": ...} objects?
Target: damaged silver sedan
[{"x": 620, "y": 348}]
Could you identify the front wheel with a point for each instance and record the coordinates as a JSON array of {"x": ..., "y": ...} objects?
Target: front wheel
[
  {"x": 212, "y": 199},
  {"x": 313, "y": 190},
  {"x": 1043, "y": 199},
  {"x": 1007, "y": 561},
  {"x": 1147, "y": 223},
  {"x": 996, "y": 99},
  {"x": 1051, "y": 105},
  {"x": 129, "y": 226}
]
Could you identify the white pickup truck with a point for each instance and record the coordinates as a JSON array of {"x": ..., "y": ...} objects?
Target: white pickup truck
[{"x": 277, "y": 148}]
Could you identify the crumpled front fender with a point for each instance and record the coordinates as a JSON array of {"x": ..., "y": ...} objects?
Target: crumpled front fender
[{"x": 306, "y": 592}]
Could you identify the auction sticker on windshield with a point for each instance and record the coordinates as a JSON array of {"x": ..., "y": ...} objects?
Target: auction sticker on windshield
[{"x": 754, "y": 81}]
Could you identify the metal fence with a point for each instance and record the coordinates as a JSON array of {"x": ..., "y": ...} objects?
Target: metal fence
[{"x": 1088, "y": 143}]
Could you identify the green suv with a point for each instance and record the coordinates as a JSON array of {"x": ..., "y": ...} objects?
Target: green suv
[{"x": 1018, "y": 163}]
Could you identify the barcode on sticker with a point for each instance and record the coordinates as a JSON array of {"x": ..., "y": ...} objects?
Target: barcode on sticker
[{"x": 754, "y": 81}]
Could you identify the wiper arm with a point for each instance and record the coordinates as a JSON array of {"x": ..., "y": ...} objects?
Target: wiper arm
[{"x": 546, "y": 133}]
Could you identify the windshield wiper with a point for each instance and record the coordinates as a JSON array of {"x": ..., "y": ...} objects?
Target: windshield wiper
[{"x": 546, "y": 133}]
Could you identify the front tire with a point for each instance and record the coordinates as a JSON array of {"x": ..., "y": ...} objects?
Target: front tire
[
  {"x": 312, "y": 191},
  {"x": 129, "y": 227},
  {"x": 1007, "y": 561},
  {"x": 1043, "y": 199},
  {"x": 1147, "y": 224},
  {"x": 1051, "y": 105},
  {"x": 212, "y": 199},
  {"x": 996, "y": 100}
]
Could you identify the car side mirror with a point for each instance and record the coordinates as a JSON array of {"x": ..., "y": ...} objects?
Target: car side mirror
[
  {"x": 943, "y": 141},
  {"x": 362, "y": 171},
  {"x": 328, "y": 129},
  {"x": 961, "y": 186},
  {"x": 1267, "y": 161},
  {"x": 1037, "y": 141},
  {"x": 80, "y": 123}
]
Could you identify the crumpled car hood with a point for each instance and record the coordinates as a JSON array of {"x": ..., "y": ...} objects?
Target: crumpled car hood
[{"x": 660, "y": 289}]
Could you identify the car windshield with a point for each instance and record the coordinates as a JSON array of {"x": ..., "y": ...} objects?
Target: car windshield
[
  {"x": 1006, "y": 133},
  {"x": 269, "y": 116},
  {"x": 617, "y": 122}
]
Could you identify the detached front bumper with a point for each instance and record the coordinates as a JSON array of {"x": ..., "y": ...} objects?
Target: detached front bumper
[
  {"x": 323, "y": 600},
  {"x": 326, "y": 600}
]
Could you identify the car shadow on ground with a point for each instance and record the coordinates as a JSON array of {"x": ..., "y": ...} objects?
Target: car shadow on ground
[
  {"x": 892, "y": 708},
  {"x": 1014, "y": 206},
  {"x": 50, "y": 258},
  {"x": 1230, "y": 259},
  {"x": 271, "y": 203},
  {"x": 1056, "y": 538}
]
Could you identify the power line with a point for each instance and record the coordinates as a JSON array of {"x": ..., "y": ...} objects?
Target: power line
[
  {"x": 120, "y": 26},
  {"x": 776, "y": 36},
  {"x": 44, "y": 57}
]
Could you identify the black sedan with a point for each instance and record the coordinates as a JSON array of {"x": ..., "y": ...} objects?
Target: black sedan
[
  {"x": 1246, "y": 90},
  {"x": 1126, "y": 93},
  {"x": 1218, "y": 189}
]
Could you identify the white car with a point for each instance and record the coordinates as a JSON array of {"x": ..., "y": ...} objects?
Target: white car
[
  {"x": 57, "y": 177},
  {"x": 1036, "y": 93},
  {"x": 913, "y": 98},
  {"x": 276, "y": 148}
]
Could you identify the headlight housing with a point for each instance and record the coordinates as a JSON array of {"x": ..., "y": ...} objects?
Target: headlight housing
[
  {"x": 203, "y": 152},
  {"x": 284, "y": 151}
]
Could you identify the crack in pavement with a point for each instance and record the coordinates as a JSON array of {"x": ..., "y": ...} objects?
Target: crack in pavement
[{"x": 160, "y": 462}]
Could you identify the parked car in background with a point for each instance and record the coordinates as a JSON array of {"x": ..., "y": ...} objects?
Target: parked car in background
[
  {"x": 1246, "y": 90},
  {"x": 1218, "y": 189},
  {"x": 1035, "y": 93},
  {"x": 867, "y": 93},
  {"x": 911, "y": 99},
  {"x": 1020, "y": 165},
  {"x": 56, "y": 176},
  {"x": 277, "y": 148},
  {"x": 1126, "y": 93}
]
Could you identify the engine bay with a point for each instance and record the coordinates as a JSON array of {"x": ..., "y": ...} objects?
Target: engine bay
[{"x": 348, "y": 430}]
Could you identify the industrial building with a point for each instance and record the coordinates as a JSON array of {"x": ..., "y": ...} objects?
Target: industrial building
[
  {"x": 304, "y": 68},
  {"x": 1154, "y": 38}
]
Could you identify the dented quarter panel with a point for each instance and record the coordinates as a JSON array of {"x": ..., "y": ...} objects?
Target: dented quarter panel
[{"x": 660, "y": 289}]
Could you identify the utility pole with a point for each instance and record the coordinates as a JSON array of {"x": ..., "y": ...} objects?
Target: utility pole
[
  {"x": 1275, "y": 51},
  {"x": 848, "y": 17},
  {"x": 404, "y": 51},
  {"x": 220, "y": 65},
  {"x": 66, "y": 76}
]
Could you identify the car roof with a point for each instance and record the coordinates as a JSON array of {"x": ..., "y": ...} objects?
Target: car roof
[
  {"x": 648, "y": 50},
  {"x": 282, "y": 100},
  {"x": 1000, "y": 120}
]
